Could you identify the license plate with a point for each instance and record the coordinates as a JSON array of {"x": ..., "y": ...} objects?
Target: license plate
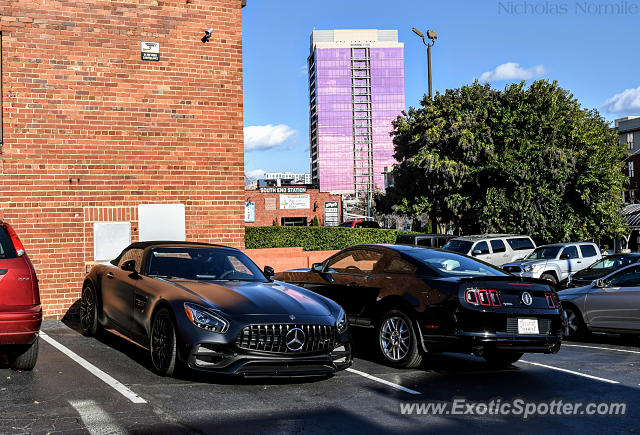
[{"x": 528, "y": 326}]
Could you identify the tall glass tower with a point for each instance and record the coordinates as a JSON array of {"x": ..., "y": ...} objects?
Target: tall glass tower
[{"x": 356, "y": 88}]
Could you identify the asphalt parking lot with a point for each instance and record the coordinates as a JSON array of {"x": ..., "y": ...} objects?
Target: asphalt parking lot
[{"x": 85, "y": 385}]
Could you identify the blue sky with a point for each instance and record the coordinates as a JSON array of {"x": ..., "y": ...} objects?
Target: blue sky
[{"x": 589, "y": 47}]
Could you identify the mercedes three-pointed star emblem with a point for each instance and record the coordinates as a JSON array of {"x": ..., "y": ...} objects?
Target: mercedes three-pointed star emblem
[{"x": 295, "y": 339}]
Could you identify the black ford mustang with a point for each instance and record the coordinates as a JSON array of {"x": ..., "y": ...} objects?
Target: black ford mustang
[
  {"x": 211, "y": 308},
  {"x": 422, "y": 300}
]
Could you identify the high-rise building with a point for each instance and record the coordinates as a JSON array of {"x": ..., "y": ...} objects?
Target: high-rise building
[{"x": 356, "y": 89}]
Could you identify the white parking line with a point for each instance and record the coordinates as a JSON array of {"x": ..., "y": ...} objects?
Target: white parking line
[
  {"x": 95, "y": 419},
  {"x": 382, "y": 381},
  {"x": 570, "y": 371},
  {"x": 601, "y": 348},
  {"x": 104, "y": 377}
]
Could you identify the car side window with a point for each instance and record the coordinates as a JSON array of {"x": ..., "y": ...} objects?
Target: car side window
[
  {"x": 571, "y": 251},
  {"x": 628, "y": 277},
  {"x": 355, "y": 261},
  {"x": 482, "y": 247},
  {"x": 520, "y": 243},
  {"x": 588, "y": 251},
  {"x": 398, "y": 265},
  {"x": 132, "y": 254},
  {"x": 498, "y": 246}
]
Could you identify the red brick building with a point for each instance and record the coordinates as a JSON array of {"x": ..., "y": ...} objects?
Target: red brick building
[
  {"x": 95, "y": 129},
  {"x": 291, "y": 206}
]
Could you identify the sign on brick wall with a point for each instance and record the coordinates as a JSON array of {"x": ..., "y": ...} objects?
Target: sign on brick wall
[
  {"x": 150, "y": 50},
  {"x": 290, "y": 202}
]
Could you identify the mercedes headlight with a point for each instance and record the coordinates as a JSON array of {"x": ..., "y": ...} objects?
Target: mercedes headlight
[
  {"x": 342, "y": 323},
  {"x": 529, "y": 267},
  {"x": 205, "y": 319}
]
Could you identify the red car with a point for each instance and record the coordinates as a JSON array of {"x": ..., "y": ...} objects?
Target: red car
[
  {"x": 359, "y": 224},
  {"x": 20, "y": 309}
]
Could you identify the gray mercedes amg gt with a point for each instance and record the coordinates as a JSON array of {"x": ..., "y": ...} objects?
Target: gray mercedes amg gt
[{"x": 211, "y": 308}]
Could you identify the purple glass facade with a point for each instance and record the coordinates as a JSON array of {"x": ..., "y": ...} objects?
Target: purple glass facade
[{"x": 355, "y": 94}]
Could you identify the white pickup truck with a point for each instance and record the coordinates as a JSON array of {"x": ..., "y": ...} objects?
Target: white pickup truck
[{"x": 555, "y": 262}]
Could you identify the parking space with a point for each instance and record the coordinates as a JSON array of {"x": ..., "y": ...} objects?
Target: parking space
[{"x": 64, "y": 394}]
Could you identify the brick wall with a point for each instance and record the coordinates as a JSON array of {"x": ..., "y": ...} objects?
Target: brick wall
[
  {"x": 265, "y": 214},
  {"x": 91, "y": 131}
]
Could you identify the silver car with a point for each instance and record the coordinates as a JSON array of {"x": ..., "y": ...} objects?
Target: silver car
[{"x": 608, "y": 304}]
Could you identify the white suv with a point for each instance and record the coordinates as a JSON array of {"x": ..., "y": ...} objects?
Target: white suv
[
  {"x": 496, "y": 249},
  {"x": 556, "y": 262}
]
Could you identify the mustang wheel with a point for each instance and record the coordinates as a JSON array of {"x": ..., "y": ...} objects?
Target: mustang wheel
[
  {"x": 501, "y": 359},
  {"x": 89, "y": 311},
  {"x": 26, "y": 360},
  {"x": 163, "y": 343},
  {"x": 575, "y": 327},
  {"x": 397, "y": 340}
]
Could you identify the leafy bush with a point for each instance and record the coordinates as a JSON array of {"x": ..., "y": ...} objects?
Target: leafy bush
[{"x": 315, "y": 238}]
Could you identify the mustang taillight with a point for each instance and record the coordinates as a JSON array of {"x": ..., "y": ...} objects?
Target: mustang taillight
[
  {"x": 483, "y": 297},
  {"x": 471, "y": 297},
  {"x": 552, "y": 300},
  {"x": 495, "y": 298}
]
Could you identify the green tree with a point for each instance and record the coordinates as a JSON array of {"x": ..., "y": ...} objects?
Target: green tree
[
  {"x": 523, "y": 160},
  {"x": 314, "y": 222}
]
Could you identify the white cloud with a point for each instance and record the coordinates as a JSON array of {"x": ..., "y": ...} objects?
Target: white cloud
[
  {"x": 624, "y": 102},
  {"x": 255, "y": 174},
  {"x": 512, "y": 71},
  {"x": 303, "y": 70},
  {"x": 264, "y": 137}
]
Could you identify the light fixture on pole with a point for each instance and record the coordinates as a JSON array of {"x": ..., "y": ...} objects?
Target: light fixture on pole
[{"x": 432, "y": 36}]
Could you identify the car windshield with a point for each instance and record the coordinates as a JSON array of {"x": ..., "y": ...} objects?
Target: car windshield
[
  {"x": 614, "y": 262},
  {"x": 460, "y": 246},
  {"x": 202, "y": 263},
  {"x": 544, "y": 253},
  {"x": 452, "y": 264}
]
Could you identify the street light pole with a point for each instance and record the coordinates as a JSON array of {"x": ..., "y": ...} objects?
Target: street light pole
[{"x": 432, "y": 35}]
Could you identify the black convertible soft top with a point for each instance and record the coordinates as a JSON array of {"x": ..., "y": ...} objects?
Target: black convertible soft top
[{"x": 146, "y": 244}]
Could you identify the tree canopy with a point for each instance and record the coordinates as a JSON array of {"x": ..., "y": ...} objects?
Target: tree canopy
[{"x": 525, "y": 160}]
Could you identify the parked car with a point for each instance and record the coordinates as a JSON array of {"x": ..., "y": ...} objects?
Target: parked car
[
  {"x": 608, "y": 304},
  {"x": 496, "y": 249},
  {"x": 421, "y": 300},
  {"x": 20, "y": 309},
  {"x": 359, "y": 224},
  {"x": 211, "y": 308},
  {"x": 601, "y": 268},
  {"x": 426, "y": 240},
  {"x": 555, "y": 263}
]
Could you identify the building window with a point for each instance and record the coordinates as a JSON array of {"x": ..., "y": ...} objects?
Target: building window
[
  {"x": 629, "y": 141},
  {"x": 630, "y": 168}
]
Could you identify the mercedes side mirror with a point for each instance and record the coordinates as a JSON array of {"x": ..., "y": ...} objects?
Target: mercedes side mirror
[
  {"x": 269, "y": 272},
  {"x": 317, "y": 267},
  {"x": 129, "y": 266},
  {"x": 476, "y": 252}
]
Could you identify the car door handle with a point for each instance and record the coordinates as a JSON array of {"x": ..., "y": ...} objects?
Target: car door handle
[
  {"x": 110, "y": 275},
  {"x": 579, "y": 261}
]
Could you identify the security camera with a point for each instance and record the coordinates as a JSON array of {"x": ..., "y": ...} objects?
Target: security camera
[{"x": 207, "y": 35}]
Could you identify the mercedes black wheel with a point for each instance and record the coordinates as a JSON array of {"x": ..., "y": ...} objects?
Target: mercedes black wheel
[
  {"x": 89, "y": 311},
  {"x": 163, "y": 346},
  {"x": 397, "y": 341}
]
